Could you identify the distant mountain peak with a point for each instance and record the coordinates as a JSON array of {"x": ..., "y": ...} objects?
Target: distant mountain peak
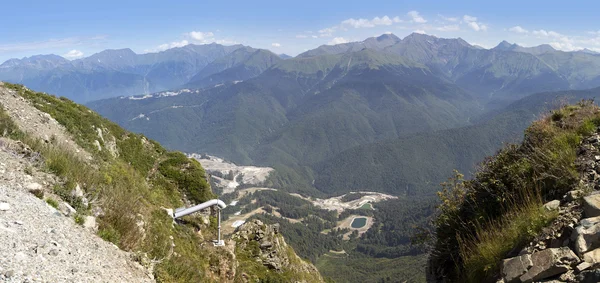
[
  {"x": 387, "y": 36},
  {"x": 504, "y": 45},
  {"x": 416, "y": 35},
  {"x": 588, "y": 51}
]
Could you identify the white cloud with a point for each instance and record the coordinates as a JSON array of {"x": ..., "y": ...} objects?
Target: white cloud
[
  {"x": 416, "y": 17},
  {"x": 449, "y": 19},
  {"x": 360, "y": 23},
  {"x": 301, "y": 36},
  {"x": 314, "y": 36},
  {"x": 473, "y": 24},
  {"x": 200, "y": 36},
  {"x": 420, "y": 31},
  {"x": 226, "y": 41},
  {"x": 544, "y": 33},
  {"x": 365, "y": 23},
  {"x": 338, "y": 40},
  {"x": 518, "y": 29},
  {"x": 448, "y": 28},
  {"x": 327, "y": 32},
  {"x": 275, "y": 44},
  {"x": 73, "y": 54},
  {"x": 174, "y": 44},
  {"x": 468, "y": 18},
  {"x": 477, "y": 26}
]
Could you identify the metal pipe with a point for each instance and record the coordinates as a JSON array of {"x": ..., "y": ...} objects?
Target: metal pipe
[
  {"x": 219, "y": 212},
  {"x": 201, "y": 206}
]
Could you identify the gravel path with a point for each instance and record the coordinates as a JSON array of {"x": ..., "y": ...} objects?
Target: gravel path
[{"x": 39, "y": 244}]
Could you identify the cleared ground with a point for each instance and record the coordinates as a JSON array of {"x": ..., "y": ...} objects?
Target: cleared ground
[
  {"x": 336, "y": 203},
  {"x": 250, "y": 175}
]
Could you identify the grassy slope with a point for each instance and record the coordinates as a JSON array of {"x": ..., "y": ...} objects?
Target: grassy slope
[
  {"x": 481, "y": 220},
  {"x": 133, "y": 186}
]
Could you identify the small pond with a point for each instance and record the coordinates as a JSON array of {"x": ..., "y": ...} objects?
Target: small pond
[{"x": 359, "y": 222}]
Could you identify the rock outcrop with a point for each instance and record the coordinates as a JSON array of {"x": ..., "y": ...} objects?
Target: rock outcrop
[{"x": 268, "y": 247}]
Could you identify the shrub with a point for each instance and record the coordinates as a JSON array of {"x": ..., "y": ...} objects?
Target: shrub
[{"x": 79, "y": 219}]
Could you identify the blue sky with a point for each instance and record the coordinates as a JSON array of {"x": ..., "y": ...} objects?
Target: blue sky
[{"x": 80, "y": 28}]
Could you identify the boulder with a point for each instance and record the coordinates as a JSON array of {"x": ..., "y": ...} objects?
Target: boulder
[
  {"x": 592, "y": 257},
  {"x": 552, "y": 205},
  {"x": 549, "y": 262},
  {"x": 34, "y": 187},
  {"x": 591, "y": 205},
  {"x": 587, "y": 235},
  {"x": 513, "y": 268}
]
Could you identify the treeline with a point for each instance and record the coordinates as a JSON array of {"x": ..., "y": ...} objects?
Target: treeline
[
  {"x": 395, "y": 223},
  {"x": 306, "y": 237}
]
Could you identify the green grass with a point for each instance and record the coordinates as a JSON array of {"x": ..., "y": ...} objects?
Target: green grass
[
  {"x": 367, "y": 205},
  {"x": 482, "y": 253},
  {"x": 52, "y": 202}
]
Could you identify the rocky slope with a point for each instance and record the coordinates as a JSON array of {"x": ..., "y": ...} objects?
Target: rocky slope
[
  {"x": 569, "y": 249},
  {"x": 68, "y": 176},
  {"x": 39, "y": 242}
]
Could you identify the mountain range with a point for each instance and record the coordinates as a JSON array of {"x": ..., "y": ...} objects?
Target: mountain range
[
  {"x": 311, "y": 117},
  {"x": 383, "y": 99}
]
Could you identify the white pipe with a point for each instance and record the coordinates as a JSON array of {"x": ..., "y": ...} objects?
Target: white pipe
[
  {"x": 219, "y": 240},
  {"x": 201, "y": 206}
]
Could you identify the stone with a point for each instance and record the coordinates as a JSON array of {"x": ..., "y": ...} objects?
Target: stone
[
  {"x": 4, "y": 206},
  {"x": 592, "y": 257},
  {"x": 9, "y": 273},
  {"x": 568, "y": 276},
  {"x": 582, "y": 266},
  {"x": 34, "y": 187},
  {"x": 591, "y": 206},
  {"x": 513, "y": 268},
  {"x": 549, "y": 262},
  {"x": 587, "y": 235},
  {"x": 90, "y": 223},
  {"x": 66, "y": 209},
  {"x": 77, "y": 192},
  {"x": 552, "y": 205},
  {"x": 266, "y": 245},
  {"x": 276, "y": 228},
  {"x": 53, "y": 252}
]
